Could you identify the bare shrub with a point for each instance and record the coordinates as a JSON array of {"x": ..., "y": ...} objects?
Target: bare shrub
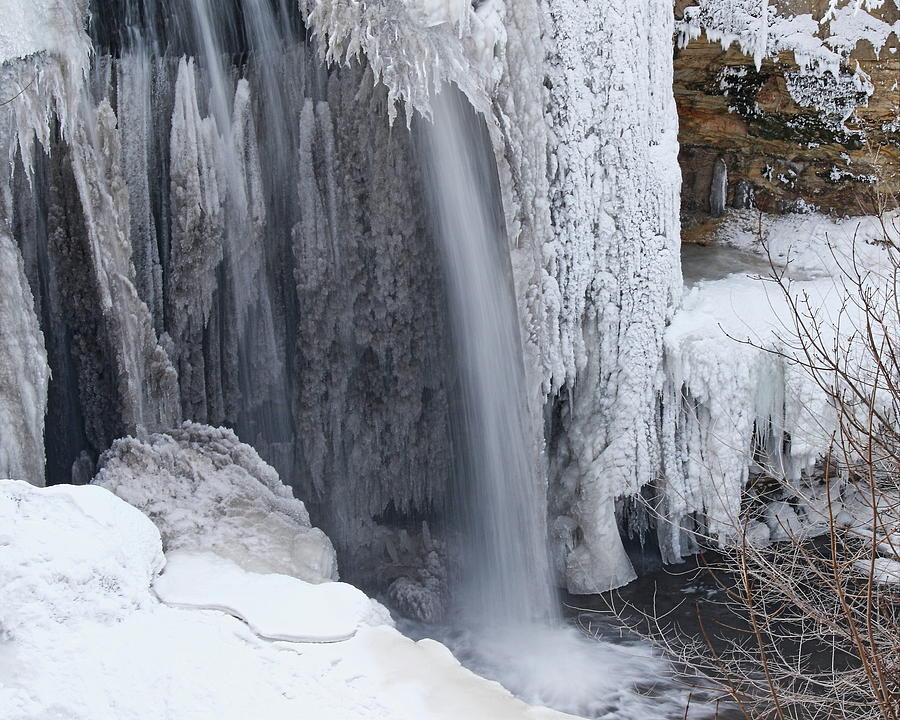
[{"x": 815, "y": 630}]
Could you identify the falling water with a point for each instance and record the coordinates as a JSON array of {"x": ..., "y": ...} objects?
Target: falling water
[
  {"x": 509, "y": 629},
  {"x": 507, "y": 573}
]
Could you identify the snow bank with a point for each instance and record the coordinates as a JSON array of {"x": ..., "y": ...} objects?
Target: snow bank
[
  {"x": 83, "y": 638},
  {"x": 276, "y": 607},
  {"x": 206, "y": 490},
  {"x": 70, "y": 554}
]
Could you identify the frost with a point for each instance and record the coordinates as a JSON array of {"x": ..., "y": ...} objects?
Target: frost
[
  {"x": 836, "y": 97},
  {"x": 206, "y": 490},
  {"x": 610, "y": 272}
]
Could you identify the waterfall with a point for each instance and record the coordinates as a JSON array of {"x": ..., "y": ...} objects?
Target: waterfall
[{"x": 499, "y": 488}]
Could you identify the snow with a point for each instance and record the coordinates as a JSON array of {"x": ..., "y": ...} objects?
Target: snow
[
  {"x": 275, "y": 607},
  {"x": 884, "y": 570},
  {"x": 821, "y": 47},
  {"x": 761, "y": 32},
  {"x": 83, "y": 638},
  {"x": 68, "y": 554},
  {"x": 205, "y": 490}
]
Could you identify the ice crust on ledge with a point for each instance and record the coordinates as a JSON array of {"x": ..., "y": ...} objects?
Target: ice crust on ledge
[
  {"x": 275, "y": 607},
  {"x": 760, "y": 32},
  {"x": 206, "y": 490}
]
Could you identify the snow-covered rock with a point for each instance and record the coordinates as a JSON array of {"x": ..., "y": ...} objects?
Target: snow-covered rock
[
  {"x": 206, "y": 490},
  {"x": 71, "y": 553},
  {"x": 762, "y": 30}
]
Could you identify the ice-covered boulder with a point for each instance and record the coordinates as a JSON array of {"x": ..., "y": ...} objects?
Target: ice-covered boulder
[
  {"x": 70, "y": 553},
  {"x": 206, "y": 490}
]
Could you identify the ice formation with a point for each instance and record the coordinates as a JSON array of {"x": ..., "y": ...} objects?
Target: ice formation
[
  {"x": 758, "y": 28},
  {"x": 610, "y": 272},
  {"x": 308, "y": 312},
  {"x": 228, "y": 228},
  {"x": 24, "y": 373},
  {"x": 205, "y": 490},
  {"x": 821, "y": 46},
  {"x": 729, "y": 406}
]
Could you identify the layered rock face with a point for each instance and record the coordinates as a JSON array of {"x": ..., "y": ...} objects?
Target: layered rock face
[{"x": 803, "y": 107}]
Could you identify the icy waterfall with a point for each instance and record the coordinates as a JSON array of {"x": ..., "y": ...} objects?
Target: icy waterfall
[
  {"x": 218, "y": 221},
  {"x": 501, "y": 492}
]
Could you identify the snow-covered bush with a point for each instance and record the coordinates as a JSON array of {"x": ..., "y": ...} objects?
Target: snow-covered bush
[
  {"x": 206, "y": 490},
  {"x": 817, "y": 588}
]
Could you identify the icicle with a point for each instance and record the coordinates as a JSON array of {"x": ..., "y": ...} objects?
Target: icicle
[
  {"x": 718, "y": 189},
  {"x": 197, "y": 235},
  {"x": 147, "y": 383},
  {"x": 24, "y": 373}
]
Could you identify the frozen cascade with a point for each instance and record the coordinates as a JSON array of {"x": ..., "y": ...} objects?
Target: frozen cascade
[
  {"x": 507, "y": 567},
  {"x": 197, "y": 227},
  {"x": 210, "y": 188}
]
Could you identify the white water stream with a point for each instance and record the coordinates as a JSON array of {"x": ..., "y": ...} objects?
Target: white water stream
[{"x": 507, "y": 569}]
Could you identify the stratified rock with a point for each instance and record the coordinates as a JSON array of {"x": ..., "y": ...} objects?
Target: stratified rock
[{"x": 814, "y": 125}]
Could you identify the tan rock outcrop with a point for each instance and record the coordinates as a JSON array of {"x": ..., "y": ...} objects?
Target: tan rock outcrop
[{"x": 780, "y": 131}]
